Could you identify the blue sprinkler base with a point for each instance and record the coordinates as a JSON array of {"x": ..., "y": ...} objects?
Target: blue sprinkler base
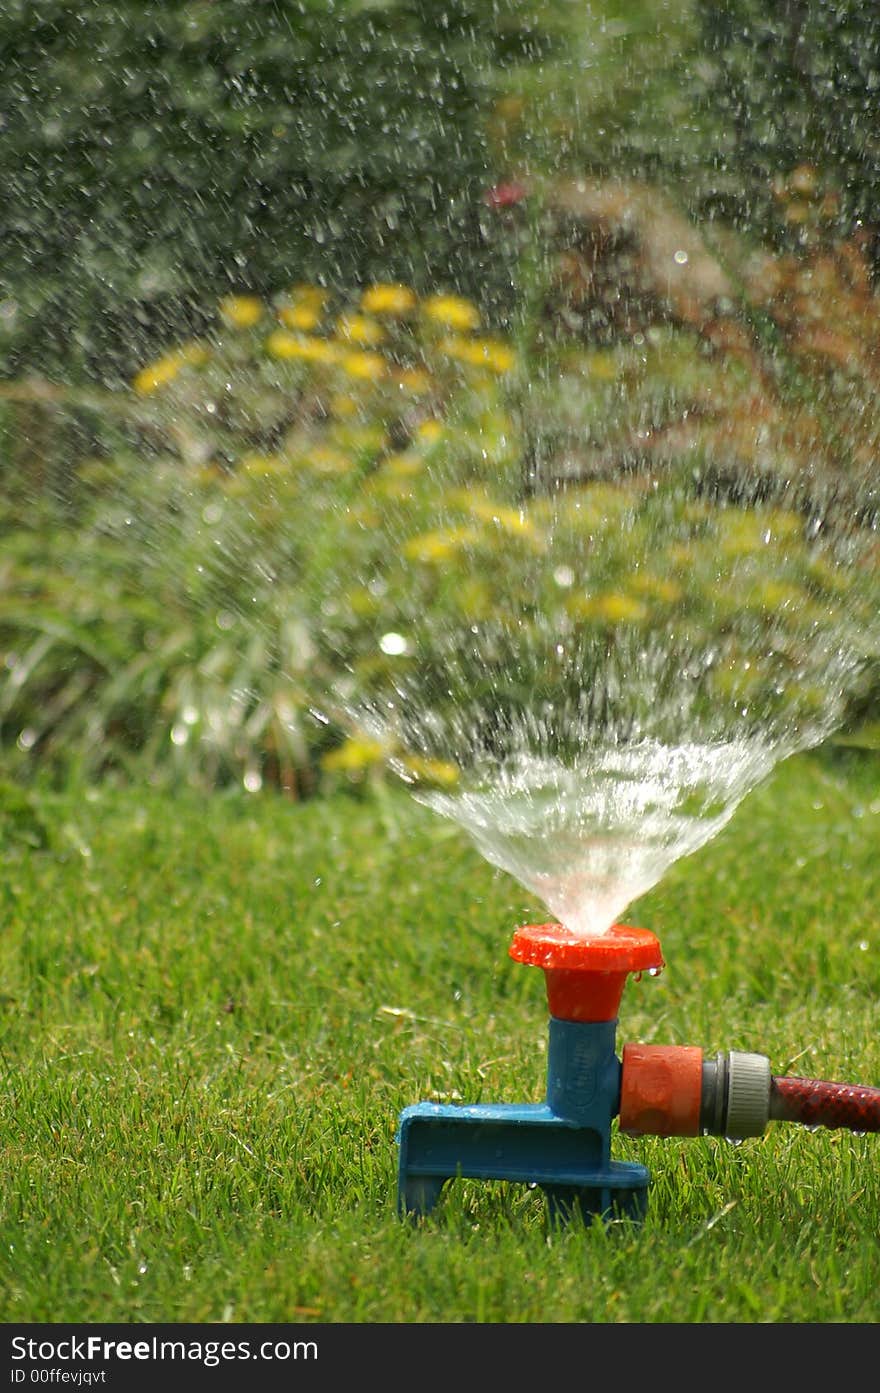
[{"x": 561, "y": 1146}]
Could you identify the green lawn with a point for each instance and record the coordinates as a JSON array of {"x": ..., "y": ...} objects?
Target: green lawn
[{"x": 216, "y": 1008}]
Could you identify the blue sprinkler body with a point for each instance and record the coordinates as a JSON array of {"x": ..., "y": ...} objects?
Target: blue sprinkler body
[{"x": 562, "y": 1145}]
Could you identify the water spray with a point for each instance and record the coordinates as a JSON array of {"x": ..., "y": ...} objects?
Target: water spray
[{"x": 563, "y": 1145}]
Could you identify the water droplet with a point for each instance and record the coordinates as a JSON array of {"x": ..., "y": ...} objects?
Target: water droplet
[{"x": 394, "y": 644}]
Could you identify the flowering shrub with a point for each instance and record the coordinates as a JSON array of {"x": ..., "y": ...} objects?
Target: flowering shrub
[{"x": 315, "y": 558}]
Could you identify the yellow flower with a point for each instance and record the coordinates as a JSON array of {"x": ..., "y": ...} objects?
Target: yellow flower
[
  {"x": 366, "y": 366},
  {"x": 745, "y": 532},
  {"x": 493, "y": 354},
  {"x": 783, "y": 525},
  {"x": 776, "y": 595},
  {"x": 401, "y": 466},
  {"x": 479, "y": 353},
  {"x": 157, "y": 374},
  {"x": 509, "y": 520},
  {"x": 614, "y": 607},
  {"x": 281, "y": 344},
  {"x": 241, "y": 311},
  {"x": 388, "y": 299},
  {"x": 740, "y": 533},
  {"x": 303, "y": 316},
  {"x": 358, "y": 328},
  {"x": 355, "y": 756},
  {"x": 621, "y": 608},
  {"x": 415, "y": 380},
  {"x": 656, "y": 587},
  {"x": 325, "y": 460},
  {"x": 439, "y": 546},
  {"x": 430, "y": 431},
  {"x": 166, "y": 368},
  {"x": 343, "y": 406},
  {"x": 440, "y": 772},
  {"x": 452, "y": 311}
]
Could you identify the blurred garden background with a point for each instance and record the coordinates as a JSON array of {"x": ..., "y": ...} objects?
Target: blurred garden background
[{"x": 322, "y": 324}]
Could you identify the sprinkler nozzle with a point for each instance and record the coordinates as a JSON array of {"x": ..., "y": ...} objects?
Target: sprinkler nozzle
[{"x": 585, "y": 977}]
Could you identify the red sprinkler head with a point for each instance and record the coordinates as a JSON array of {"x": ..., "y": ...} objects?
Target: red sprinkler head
[{"x": 585, "y": 977}]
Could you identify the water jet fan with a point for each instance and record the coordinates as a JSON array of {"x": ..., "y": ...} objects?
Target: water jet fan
[
  {"x": 591, "y": 743},
  {"x": 632, "y": 763}
]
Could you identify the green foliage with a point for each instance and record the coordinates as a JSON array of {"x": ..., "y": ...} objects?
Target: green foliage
[
  {"x": 152, "y": 153},
  {"x": 617, "y": 98},
  {"x": 793, "y": 86},
  {"x": 307, "y": 552},
  {"x": 203, "y": 584},
  {"x": 21, "y": 820}
]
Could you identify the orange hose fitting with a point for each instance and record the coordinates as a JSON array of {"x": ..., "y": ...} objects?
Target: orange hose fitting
[{"x": 661, "y": 1090}]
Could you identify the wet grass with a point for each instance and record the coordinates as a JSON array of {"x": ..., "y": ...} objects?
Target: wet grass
[{"x": 215, "y": 1009}]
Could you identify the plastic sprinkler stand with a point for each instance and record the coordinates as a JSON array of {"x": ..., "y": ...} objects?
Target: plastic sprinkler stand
[{"x": 562, "y": 1145}]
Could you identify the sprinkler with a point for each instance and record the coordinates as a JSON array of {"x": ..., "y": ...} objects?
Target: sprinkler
[{"x": 563, "y": 1145}]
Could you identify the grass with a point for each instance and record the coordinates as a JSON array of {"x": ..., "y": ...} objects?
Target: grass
[{"x": 216, "y": 1008}]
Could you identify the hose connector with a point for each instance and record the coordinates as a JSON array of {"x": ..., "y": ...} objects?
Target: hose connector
[
  {"x": 736, "y": 1094},
  {"x": 672, "y": 1091}
]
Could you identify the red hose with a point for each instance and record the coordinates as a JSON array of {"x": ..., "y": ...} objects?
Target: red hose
[{"x": 816, "y": 1103}]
